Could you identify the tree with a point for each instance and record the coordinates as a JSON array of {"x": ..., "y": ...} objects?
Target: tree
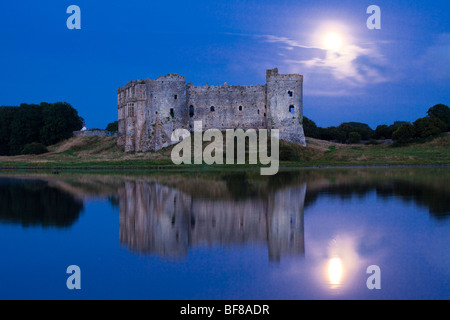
[
  {"x": 60, "y": 121},
  {"x": 382, "y": 132},
  {"x": 7, "y": 115},
  {"x": 45, "y": 123},
  {"x": 392, "y": 128},
  {"x": 310, "y": 128},
  {"x": 362, "y": 128},
  {"x": 441, "y": 112},
  {"x": 25, "y": 127},
  {"x": 354, "y": 137},
  {"x": 113, "y": 127},
  {"x": 428, "y": 126},
  {"x": 340, "y": 135},
  {"x": 404, "y": 133},
  {"x": 333, "y": 134}
]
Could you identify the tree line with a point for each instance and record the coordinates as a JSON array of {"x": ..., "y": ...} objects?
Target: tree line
[
  {"x": 434, "y": 123},
  {"x": 29, "y": 128}
]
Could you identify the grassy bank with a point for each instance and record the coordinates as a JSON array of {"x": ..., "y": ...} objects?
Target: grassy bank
[{"x": 102, "y": 153}]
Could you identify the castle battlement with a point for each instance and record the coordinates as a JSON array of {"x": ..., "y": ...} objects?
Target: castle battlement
[{"x": 149, "y": 110}]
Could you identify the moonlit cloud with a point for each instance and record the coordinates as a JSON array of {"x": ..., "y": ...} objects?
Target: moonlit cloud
[
  {"x": 289, "y": 43},
  {"x": 355, "y": 65}
]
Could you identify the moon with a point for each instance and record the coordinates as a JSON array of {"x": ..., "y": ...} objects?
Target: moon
[{"x": 332, "y": 41}]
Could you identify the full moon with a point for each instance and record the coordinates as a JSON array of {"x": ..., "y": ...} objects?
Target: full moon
[{"x": 332, "y": 41}]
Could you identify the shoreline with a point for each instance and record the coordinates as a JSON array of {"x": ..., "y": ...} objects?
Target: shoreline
[{"x": 217, "y": 168}]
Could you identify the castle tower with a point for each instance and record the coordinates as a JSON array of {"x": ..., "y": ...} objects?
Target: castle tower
[
  {"x": 131, "y": 102},
  {"x": 166, "y": 110},
  {"x": 284, "y": 98}
]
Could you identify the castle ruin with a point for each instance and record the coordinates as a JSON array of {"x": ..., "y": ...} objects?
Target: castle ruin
[{"x": 150, "y": 110}]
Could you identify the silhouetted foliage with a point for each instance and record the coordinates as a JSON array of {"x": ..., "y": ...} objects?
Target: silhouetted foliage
[
  {"x": 33, "y": 202},
  {"x": 441, "y": 112},
  {"x": 25, "y": 127},
  {"x": 361, "y": 128},
  {"x": 382, "y": 132},
  {"x": 428, "y": 126},
  {"x": 437, "y": 121},
  {"x": 310, "y": 128},
  {"x": 47, "y": 123},
  {"x": 436, "y": 199},
  {"x": 6, "y": 117},
  {"x": 34, "y": 148},
  {"x": 404, "y": 133},
  {"x": 60, "y": 121},
  {"x": 354, "y": 137},
  {"x": 113, "y": 127}
]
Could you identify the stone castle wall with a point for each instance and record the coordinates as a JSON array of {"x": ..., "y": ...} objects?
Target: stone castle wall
[
  {"x": 225, "y": 107},
  {"x": 93, "y": 133},
  {"x": 149, "y": 110}
]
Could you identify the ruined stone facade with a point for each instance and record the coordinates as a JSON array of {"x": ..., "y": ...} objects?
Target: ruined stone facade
[{"x": 150, "y": 110}]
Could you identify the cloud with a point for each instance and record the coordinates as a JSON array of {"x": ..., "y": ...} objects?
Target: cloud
[
  {"x": 351, "y": 64},
  {"x": 435, "y": 62},
  {"x": 290, "y": 44}
]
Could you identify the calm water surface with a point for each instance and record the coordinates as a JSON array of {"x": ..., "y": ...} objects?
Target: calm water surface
[{"x": 305, "y": 234}]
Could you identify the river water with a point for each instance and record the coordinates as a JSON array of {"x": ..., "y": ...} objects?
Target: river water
[{"x": 354, "y": 233}]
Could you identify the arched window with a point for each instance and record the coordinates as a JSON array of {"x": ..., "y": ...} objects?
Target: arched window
[
  {"x": 291, "y": 109},
  {"x": 191, "y": 111},
  {"x": 212, "y": 108}
]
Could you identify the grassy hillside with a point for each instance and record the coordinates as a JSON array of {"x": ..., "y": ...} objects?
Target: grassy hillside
[{"x": 102, "y": 152}]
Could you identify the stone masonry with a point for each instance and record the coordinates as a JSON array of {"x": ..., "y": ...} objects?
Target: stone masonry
[{"x": 150, "y": 110}]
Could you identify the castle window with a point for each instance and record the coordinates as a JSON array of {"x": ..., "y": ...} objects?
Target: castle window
[
  {"x": 172, "y": 114},
  {"x": 290, "y": 93},
  {"x": 291, "y": 109},
  {"x": 131, "y": 111},
  {"x": 175, "y": 97},
  {"x": 240, "y": 108},
  {"x": 191, "y": 111},
  {"x": 212, "y": 108},
  {"x": 258, "y": 111},
  {"x": 264, "y": 114}
]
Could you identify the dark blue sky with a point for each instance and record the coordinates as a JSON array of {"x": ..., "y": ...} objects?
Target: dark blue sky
[{"x": 376, "y": 76}]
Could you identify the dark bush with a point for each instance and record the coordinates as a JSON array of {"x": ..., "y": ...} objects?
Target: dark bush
[
  {"x": 404, "y": 133},
  {"x": 113, "y": 127},
  {"x": 441, "y": 112},
  {"x": 428, "y": 126},
  {"x": 310, "y": 128},
  {"x": 354, "y": 137},
  {"x": 34, "y": 148}
]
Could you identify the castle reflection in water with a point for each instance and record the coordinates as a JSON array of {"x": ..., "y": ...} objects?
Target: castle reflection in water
[{"x": 162, "y": 220}]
